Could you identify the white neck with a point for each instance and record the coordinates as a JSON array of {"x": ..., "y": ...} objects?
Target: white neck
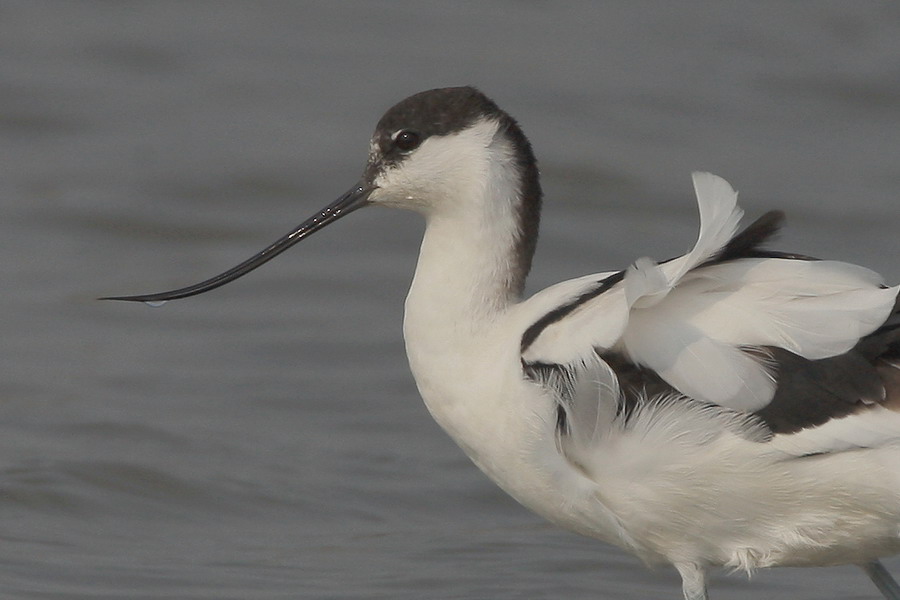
[
  {"x": 477, "y": 188},
  {"x": 469, "y": 271}
]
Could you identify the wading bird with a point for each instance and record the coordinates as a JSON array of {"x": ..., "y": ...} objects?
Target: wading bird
[{"x": 732, "y": 407}]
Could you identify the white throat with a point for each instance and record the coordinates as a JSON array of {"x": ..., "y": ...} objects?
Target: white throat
[
  {"x": 468, "y": 273},
  {"x": 468, "y": 268}
]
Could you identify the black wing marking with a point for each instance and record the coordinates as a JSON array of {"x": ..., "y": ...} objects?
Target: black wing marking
[
  {"x": 747, "y": 244},
  {"x": 560, "y": 312},
  {"x": 812, "y": 392}
]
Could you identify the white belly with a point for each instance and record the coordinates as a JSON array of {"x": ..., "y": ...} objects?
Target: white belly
[{"x": 729, "y": 502}]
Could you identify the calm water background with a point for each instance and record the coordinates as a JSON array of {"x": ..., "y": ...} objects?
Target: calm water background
[{"x": 266, "y": 440}]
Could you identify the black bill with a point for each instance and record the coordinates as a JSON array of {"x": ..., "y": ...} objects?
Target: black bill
[{"x": 357, "y": 197}]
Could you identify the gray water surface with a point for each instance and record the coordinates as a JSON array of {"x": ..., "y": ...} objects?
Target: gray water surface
[{"x": 266, "y": 440}]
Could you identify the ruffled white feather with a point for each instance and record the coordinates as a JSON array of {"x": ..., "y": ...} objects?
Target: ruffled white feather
[{"x": 690, "y": 323}]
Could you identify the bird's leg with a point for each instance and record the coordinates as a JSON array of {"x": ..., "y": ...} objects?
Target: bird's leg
[
  {"x": 693, "y": 581},
  {"x": 882, "y": 579}
]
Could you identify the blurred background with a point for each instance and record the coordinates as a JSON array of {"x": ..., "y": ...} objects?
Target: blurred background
[{"x": 266, "y": 440}]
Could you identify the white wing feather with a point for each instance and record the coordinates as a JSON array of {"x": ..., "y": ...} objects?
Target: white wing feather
[
  {"x": 690, "y": 324},
  {"x": 574, "y": 337}
]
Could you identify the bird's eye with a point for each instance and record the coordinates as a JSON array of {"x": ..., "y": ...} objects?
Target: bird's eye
[{"x": 406, "y": 140}]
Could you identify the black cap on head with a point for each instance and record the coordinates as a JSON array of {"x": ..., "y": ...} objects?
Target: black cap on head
[{"x": 440, "y": 111}]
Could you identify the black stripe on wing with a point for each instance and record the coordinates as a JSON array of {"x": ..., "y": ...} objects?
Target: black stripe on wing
[
  {"x": 812, "y": 392},
  {"x": 562, "y": 311},
  {"x": 747, "y": 244}
]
